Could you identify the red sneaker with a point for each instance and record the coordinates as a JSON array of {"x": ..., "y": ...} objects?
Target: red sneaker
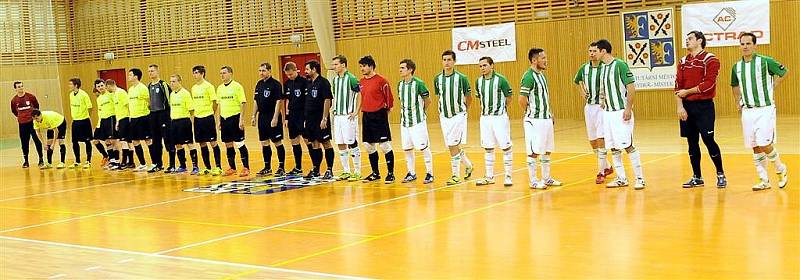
[
  {"x": 601, "y": 178},
  {"x": 245, "y": 172},
  {"x": 608, "y": 171},
  {"x": 230, "y": 172}
]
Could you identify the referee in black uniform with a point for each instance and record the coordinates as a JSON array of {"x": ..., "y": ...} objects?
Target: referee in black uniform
[
  {"x": 267, "y": 116},
  {"x": 318, "y": 126},
  {"x": 295, "y": 92}
]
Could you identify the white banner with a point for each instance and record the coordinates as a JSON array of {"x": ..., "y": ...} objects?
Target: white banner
[
  {"x": 722, "y": 22},
  {"x": 649, "y": 47},
  {"x": 496, "y": 41}
]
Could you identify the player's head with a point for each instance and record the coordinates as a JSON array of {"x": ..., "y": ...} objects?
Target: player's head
[
  {"x": 99, "y": 86},
  {"x": 152, "y": 71},
  {"x": 538, "y": 58},
  {"x": 407, "y": 68},
  {"x": 695, "y": 40},
  {"x": 594, "y": 52},
  {"x": 265, "y": 70},
  {"x": 74, "y": 83},
  {"x": 134, "y": 75},
  {"x": 486, "y": 64},
  {"x": 339, "y": 64},
  {"x": 198, "y": 72},
  {"x": 313, "y": 68},
  {"x": 290, "y": 69},
  {"x": 37, "y": 115},
  {"x": 747, "y": 43},
  {"x": 448, "y": 59},
  {"x": 111, "y": 85},
  {"x": 367, "y": 64},
  {"x": 604, "y": 46},
  {"x": 18, "y": 87},
  {"x": 226, "y": 73},
  {"x": 175, "y": 82}
]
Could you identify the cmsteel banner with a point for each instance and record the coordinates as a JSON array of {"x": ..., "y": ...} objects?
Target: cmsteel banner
[
  {"x": 722, "y": 22},
  {"x": 496, "y": 41}
]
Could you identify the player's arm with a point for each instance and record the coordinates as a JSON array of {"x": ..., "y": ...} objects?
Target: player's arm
[
  {"x": 255, "y": 111},
  {"x": 278, "y": 112},
  {"x": 326, "y": 110},
  {"x": 13, "y": 108},
  {"x": 467, "y": 92},
  {"x": 777, "y": 81},
  {"x": 737, "y": 95},
  {"x": 357, "y": 89},
  {"x": 505, "y": 87},
  {"x": 776, "y": 69},
  {"x": 629, "y": 108}
]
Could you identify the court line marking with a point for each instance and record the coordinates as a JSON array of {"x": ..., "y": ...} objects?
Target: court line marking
[
  {"x": 142, "y": 254},
  {"x": 468, "y": 212},
  {"x": 40, "y": 183},
  {"x": 331, "y": 213},
  {"x": 81, "y": 188}
]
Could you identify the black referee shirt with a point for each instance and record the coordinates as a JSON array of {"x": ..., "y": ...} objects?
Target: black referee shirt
[
  {"x": 318, "y": 91},
  {"x": 295, "y": 92},
  {"x": 268, "y": 92}
]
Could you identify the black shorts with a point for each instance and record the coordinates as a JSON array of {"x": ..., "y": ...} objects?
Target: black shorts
[
  {"x": 375, "y": 127},
  {"x": 700, "y": 118},
  {"x": 295, "y": 124},
  {"x": 314, "y": 133},
  {"x": 62, "y": 131},
  {"x": 159, "y": 124},
  {"x": 230, "y": 129},
  {"x": 205, "y": 129},
  {"x": 106, "y": 129},
  {"x": 81, "y": 130},
  {"x": 139, "y": 129},
  {"x": 123, "y": 131},
  {"x": 181, "y": 131},
  {"x": 266, "y": 131}
]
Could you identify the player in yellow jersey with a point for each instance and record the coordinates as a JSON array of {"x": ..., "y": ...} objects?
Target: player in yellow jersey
[
  {"x": 231, "y": 106},
  {"x": 80, "y": 107},
  {"x": 206, "y": 105},
  {"x": 106, "y": 120}
]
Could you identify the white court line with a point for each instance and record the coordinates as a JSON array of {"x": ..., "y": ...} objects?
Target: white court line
[
  {"x": 251, "y": 266},
  {"x": 334, "y": 212},
  {"x": 93, "y": 268},
  {"x": 76, "y": 189},
  {"x": 57, "y": 276}
]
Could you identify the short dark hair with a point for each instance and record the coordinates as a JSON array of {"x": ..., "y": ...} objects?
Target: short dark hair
[
  {"x": 17, "y": 83},
  {"x": 226, "y": 67},
  {"x": 451, "y": 53},
  {"x": 750, "y": 34},
  {"x": 533, "y": 53},
  {"x": 341, "y": 58},
  {"x": 314, "y": 65},
  {"x": 110, "y": 82},
  {"x": 76, "y": 81},
  {"x": 199, "y": 69},
  {"x": 136, "y": 72},
  {"x": 368, "y": 61},
  {"x": 593, "y": 44},
  {"x": 289, "y": 66},
  {"x": 98, "y": 81},
  {"x": 698, "y": 35},
  {"x": 36, "y": 113},
  {"x": 266, "y": 65},
  {"x": 409, "y": 64},
  {"x": 153, "y": 66},
  {"x": 488, "y": 59},
  {"x": 604, "y": 44}
]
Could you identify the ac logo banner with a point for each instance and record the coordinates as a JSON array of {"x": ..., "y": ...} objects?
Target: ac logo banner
[
  {"x": 649, "y": 38},
  {"x": 497, "y": 41},
  {"x": 722, "y": 22}
]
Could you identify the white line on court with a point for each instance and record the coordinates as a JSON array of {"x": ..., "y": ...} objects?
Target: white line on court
[{"x": 57, "y": 276}]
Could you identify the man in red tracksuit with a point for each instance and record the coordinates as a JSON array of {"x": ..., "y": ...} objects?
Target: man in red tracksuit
[
  {"x": 376, "y": 102},
  {"x": 695, "y": 88},
  {"x": 22, "y": 104}
]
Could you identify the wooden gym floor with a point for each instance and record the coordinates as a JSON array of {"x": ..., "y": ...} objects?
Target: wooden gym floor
[{"x": 95, "y": 224}]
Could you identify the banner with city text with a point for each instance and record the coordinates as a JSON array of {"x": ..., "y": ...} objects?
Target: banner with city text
[{"x": 649, "y": 47}]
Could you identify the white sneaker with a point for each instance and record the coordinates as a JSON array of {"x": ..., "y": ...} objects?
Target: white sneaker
[
  {"x": 140, "y": 168},
  {"x": 784, "y": 178},
  {"x": 485, "y": 181},
  {"x": 538, "y": 185},
  {"x": 507, "y": 182},
  {"x": 552, "y": 182},
  {"x": 762, "y": 185},
  {"x": 639, "y": 184},
  {"x": 619, "y": 182}
]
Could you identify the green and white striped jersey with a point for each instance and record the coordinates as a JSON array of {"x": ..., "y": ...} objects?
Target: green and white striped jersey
[
  {"x": 493, "y": 93},
  {"x": 590, "y": 76},
  {"x": 614, "y": 77},
  {"x": 754, "y": 80},
  {"x": 452, "y": 91},
  {"x": 345, "y": 91},
  {"x": 534, "y": 86},
  {"x": 412, "y": 96}
]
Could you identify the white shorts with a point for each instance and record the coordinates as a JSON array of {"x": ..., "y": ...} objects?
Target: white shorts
[
  {"x": 345, "y": 131},
  {"x": 618, "y": 133},
  {"x": 454, "y": 129},
  {"x": 415, "y": 137},
  {"x": 593, "y": 115},
  {"x": 495, "y": 132},
  {"x": 758, "y": 125},
  {"x": 538, "y": 135}
]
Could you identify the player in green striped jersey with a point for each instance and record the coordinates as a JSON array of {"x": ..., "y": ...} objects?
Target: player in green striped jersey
[
  {"x": 453, "y": 91},
  {"x": 616, "y": 97},
  {"x": 493, "y": 91},
  {"x": 754, "y": 81},
  {"x": 346, "y": 105},
  {"x": 588, "y": 81},
  {"x": 414, "y": 101}
]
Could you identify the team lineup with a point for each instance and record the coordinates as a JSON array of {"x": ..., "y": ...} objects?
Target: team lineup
[{"x": 318, "y": 113}]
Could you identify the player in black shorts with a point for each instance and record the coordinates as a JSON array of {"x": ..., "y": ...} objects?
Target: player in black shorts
[
  {"x": 104, "y": 133},
  {"x": 56, "y": 127},
  {"x": 139, "y": 108},
  {"x": 295, "y": 92},
  {"x": 318, "y": 126},
  {"x": 159, "y": 121},
  {"x": 267, "y": 116},
  {"x": 180, "y": 101},
  {"x": 376, "y": 102},
  {"x": 124, "y": 154}
]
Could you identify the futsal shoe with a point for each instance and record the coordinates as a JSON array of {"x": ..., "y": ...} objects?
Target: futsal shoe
[
  {"x": 45, "y": 166},
  {"x": 87, "y": 165},
  {"x": 280, "y": 172},
  {"x": 468, "y": 172},
  {"x": 180, "y": 170},
  {"x": 507, "y": 182},
  {"x": 538, "y": 185},
  {"x": 409, "y": 178},
  {"x": 694, "y": 182},
  {"x": 195, "y": 170},
  {"x": 722, "y": 182},
  {"x": 619, "y": 182},
  {"x": 552, "y": 182},
  {"x": 311, "y": 175},
  {"x": 26, "y": 165},
  {"x": 216, "y": 171},
  {"x": 428, "y": 179},
  {"x": 60, "y": 165},
  {"x": 639, "y": 184},
  {"x": 74, "y": 165},
  {"x": 169, "y": 170},
  {"x": 230, "y": 171},
  {"x": 454, "y": 180},
  {"x": 372, "y": 177},
  {"x": 354, "y": 177},
  {"x": 762, "y": 185},
  {"x": 485, "y": 181},
  {"x": 245, "y": 172},
  {"x": 328, "y": 175},
  {"x": 389, "y": 178},
  {"x": 784, "y": 177},
  {"x": 264, "y": 172},
  {"x": 343, "y": 176},
  {"x": 601, "y": 178},
  {"x": 295, "y": 172},
  {"x": 608, "y": 171}
]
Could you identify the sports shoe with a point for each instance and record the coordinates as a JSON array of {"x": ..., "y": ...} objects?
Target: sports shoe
[
  {"x": 485, "y": 181},
  {"x": 409, "y": 178},
  {"x": 74, "y": 165},
  {"x": 601, "y": 178},
  {"x": 204, "y": 172},
  {"x": 280, "y": 172},
  {"x": 41, "y": 164},
  {"x": 155, "y": 169},
  {"x": 180, "y": 170},
  {"x": 552, "y": 182},
  {"x": 372, "y": 177},
  {"x": 468, "y": 172},
  {"x": 783, "y": 175},
  {"x": 140, "y": 168},
  {"x": 694, "y": 182},
  {"x": 453, "y": 180},
  {"x": 60, "y": 165},
  {"x": 245, "y": 172},
  {"x": 45, "y": 166},
  {"x": 87, "y": 165},
  {"x": 229, "y": 172},
  {"x": 26, "y": 165},
  {"x": 311, "y": 175},
  {"x": 762, "y": 185},
  {"x": 104, "y": 161},
  {"x": 389, "y": 178},
  {"x": 608, "y": 171},
  {"x": 122, "y": 167},
  {"x": 354, "y": 177},
  {"x": 722, "y": 182},
  {"x": 639, "y": 184},
  {"x": 343, "y": 176},
  {"x": 169, "y": 170},
  {"x": 328, "y": 175},
  {"x": 428, "y": 178},
  {"x": 195, "y": 170},
  {"x": 538, "y": 185},
  {"x": 295, "y": 172},
  {"x": 216, "y": 171},
  {"x": 617, "y": 183},
  {"x": 507, "y": 181},
  {"x": 264, "y": 172}
]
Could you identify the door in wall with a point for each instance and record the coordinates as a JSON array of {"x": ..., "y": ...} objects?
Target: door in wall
[{"x": 118, "y": 75}]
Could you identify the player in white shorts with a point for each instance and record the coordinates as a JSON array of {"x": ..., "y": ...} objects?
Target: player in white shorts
[
  {"x": 538, "y": 122},
  {"x": 453, "y": 90},
  {"x": 588, "y": 80},
  {"x": 346, "y": 105},
  {"x": 616, "y": 95},
  {"x": 755, "y": 93},
  {"x": 494, "y": 91},
  {"x": 414, "y": 101}
]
